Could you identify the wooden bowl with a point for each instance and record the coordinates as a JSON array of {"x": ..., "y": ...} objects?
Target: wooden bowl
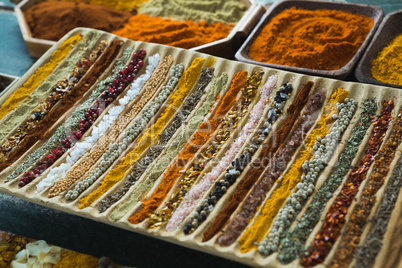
[
  {"x": 370, "y": 11},
  {"x": 388, "y": 30}
]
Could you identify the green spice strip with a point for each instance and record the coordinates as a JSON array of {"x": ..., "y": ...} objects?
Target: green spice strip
[
  {"x": 368, "y": 251},
  {"x": 293, "y": 242},
  {"x": 74, "y": 121},
  {"x": 355, "y": 226}
]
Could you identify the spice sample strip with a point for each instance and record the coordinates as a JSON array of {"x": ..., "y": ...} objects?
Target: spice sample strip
[
  {"x": 217, "y": 147},
  {"x": 173, "y": 171},
  {"x": 139, "y": 167},
  {"x": 116, "y": 149},
  {"x": 220, "y": 179},
  {"x": 64, "y": 88},
  {"x": 335, "y": 217},
  {"x": 19, "y": 95},
  {"x": 254, "y": 233},
  {"x": 324, "y": 149},
  {"x": 79, "y": 122},
  {"x": 184, "y": 86},
  {"x": 358, "y": 219},
  {"x": 117, "y": 86},
  {"x": 23, "y": 111},
  {"x": 368, "y": 251},
  {"x": 287, "y": 38},
  {"x": 115, "y": 115},
  {"x": 267, "y": 147},
  {"x": 179, "y": 140},
  {"x": 39, "y": 132},
  {"x": 293, "y": 241},
  {"x": 107, "y": 145}
]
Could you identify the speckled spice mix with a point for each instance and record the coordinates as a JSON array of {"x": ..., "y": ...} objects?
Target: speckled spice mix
[
  {"x": 335, "y": 217},
  {"x": 293, "y": 243},
  {"x": 155, "y": 150},
  {"x": 58, "y": 92},
  {"x": 367, "y": 252},
  {"x": 10, "y": 245},
  {"x": 355, "y": 226},
  {"x": 254, "y": 233}
]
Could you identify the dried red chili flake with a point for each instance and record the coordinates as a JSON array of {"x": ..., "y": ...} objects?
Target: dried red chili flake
[
  {"x": 354, "y": 228},
  {"x": 333, "y": 222}
]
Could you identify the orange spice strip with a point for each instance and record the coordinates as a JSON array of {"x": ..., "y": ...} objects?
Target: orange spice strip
[
  {"x": 354, "y": 228},
  {"x": 335, "y": 217},
  {"x": 202, "y": 134}
]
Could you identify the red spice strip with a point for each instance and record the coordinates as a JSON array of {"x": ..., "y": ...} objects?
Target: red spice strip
[
  {"x": 257, "y": 167},
  {"x": 354, "y": 228},
  {"x": 199, "y": 138},
  {"x": 335, "y": 218},
  {"x": 40, "y": 131}
]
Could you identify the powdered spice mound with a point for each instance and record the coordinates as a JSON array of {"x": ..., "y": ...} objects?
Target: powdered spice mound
[
  {"x": 184, "y": 34},
  {"x": 52, "y": 20},
  {"x": 316, "y": 39}
]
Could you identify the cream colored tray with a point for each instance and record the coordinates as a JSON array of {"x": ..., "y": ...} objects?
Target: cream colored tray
[{"x": 356, "y": 90}]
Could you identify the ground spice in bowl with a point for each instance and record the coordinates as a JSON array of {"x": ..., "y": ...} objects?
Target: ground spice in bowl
[
  {"x": 52, "y": 20},
  {"x": 387, "y": 66},
  {"x": 184, "y": 34},
  {"x": 316, "y": 39}
]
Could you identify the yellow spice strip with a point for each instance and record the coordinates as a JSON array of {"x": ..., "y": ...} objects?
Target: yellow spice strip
[
  {"x": 37, "y": 78},
  {"x": 263, "y": 221},
  {"x": 151, "y": 135}
]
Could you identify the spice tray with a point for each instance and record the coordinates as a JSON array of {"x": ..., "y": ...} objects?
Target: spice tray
[
  {"x": 225, "y": 47},
  {"x": 8, "y": 80},
  {"x": 370, "y": 11},
  {"x": 390, "y": 252},
  {"x": 388, "y": 30}
]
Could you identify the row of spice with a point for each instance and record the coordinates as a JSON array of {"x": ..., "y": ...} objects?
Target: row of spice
[
  {"x": 20, "y": 252},
  {"x": 175, "y": 148}
]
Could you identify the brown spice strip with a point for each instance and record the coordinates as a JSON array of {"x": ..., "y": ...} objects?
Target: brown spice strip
[
  {"x": 257, "y": 167},
  {"x": 41, "y": 130},
  {"x": 355, "y": 226},
  {"x": 335, "y": 217}
]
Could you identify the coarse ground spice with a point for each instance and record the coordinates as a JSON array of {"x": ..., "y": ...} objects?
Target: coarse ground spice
[
  {"x": 317, "y": 39},
  {"x": 335, "y": 217},
  {"x": 150, "y": 135},
  {"x": 179, "y": 141},
  {"x": 184, "y": 34},
  {"x": 52, "y": 20},
  {"x": 106, "y": 141},
  {"x": 39, "y": 76},
  {"x": 125, "y": 5},
  {"x": 202, "y": 135},
  {"x": 367, "y": 252},
  {"x": 224, "y": 11},
  {"x": 70, "y": 259},
  {"x": 10, "y": 245},
  {"x": 293, "y": 243},
  {"x": 73, "y": 122},
  {"x": 268, "y": 147},
  {"x": 262, "y": 222},
  {"x": 355, "y": 226},
  {"x": 387, "y": 66},
  {"x": 41, "y": 130},
  {"x": 155, "y": 150}
]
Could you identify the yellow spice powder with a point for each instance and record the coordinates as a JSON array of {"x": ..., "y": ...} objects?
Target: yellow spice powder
[
  {"x": 37, "y": 78},
  {"x": 151, "y": 135},
  {"x": 263, "y": 221},
  {"x": 74, "y": 259},
  {"x": 116, "y": 4}
]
